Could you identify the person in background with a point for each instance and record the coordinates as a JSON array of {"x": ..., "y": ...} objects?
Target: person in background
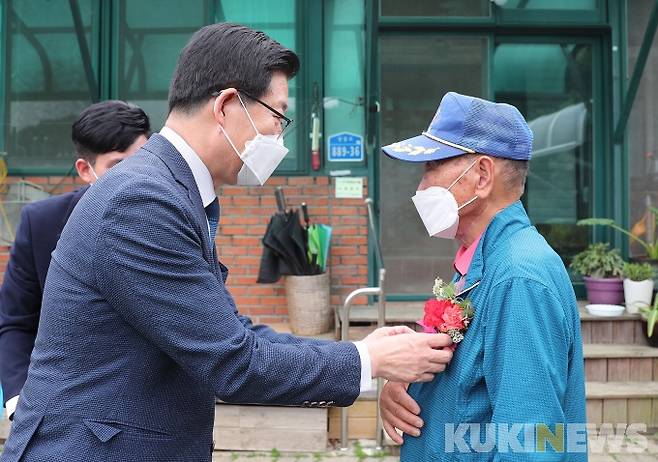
[{"x": 104, "y": 134}]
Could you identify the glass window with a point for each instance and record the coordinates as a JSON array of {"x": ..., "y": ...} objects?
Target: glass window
[
  {"x": 278, "y": 23},
  {"x": 548, "y": 4},
  {"x": 551, "y": 84},
  {"x": 416, "y": 71},
  {"x": 435, "y": 8},
  {"x": 344, "y": 83},
  {"x": 553, "y": 11},
  {"x": 642, "y": 129},
  {"x": 52, "y": 58},
  {"x": 150, "y": 36}
]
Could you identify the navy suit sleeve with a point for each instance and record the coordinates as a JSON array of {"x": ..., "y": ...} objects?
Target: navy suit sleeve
[
  {"x": 20, "y": 304},
  {"x": 152, "y": 271},
  {"x": 273, "y": 336}
]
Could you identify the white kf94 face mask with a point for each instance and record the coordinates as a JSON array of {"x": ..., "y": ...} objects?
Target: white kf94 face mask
[
  {"x": 261, "y": 156},
  {"x": 438, "y": 208}
]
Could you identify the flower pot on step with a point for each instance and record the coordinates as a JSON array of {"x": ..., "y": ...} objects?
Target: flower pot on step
[{"x": 607, "y": 291}]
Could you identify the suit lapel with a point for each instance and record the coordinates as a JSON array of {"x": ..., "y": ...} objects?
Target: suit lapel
[
  {"x": 161, "y": 147},
  {"x": 74, "y": 201}
]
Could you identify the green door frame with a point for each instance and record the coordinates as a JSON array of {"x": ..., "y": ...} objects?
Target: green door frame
[
  {"x": 634, "y": 83},
  {"x": 4, "y": 33},
  {"x": 608, "y": 169}
]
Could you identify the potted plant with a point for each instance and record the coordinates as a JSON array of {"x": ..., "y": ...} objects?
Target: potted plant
[
  {"x": 650, "y": 315},
  {"x": 638, "y": 286},
  {"x": 601, "y": 268},
  {"x": 645, "y": 227}
]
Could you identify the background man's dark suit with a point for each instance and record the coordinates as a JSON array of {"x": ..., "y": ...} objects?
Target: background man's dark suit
[{"x": 40, "y": 225}]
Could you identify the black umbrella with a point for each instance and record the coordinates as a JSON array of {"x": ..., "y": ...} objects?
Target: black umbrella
[{"x": 285, "y": 248}]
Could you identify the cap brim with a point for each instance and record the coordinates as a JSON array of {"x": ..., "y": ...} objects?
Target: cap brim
[{"x": 421, "y": 149}]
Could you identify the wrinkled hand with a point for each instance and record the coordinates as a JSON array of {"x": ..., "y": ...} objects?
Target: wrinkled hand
[
  {"x": 400, "y": 411},
  {"x": 407, "y": 357}
]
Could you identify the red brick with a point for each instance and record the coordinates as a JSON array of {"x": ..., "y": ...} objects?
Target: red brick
[
  {"x": 60, "y": 180},
  {"x": 247, "y": 261},
  {"x": 359, "y": 280},
  {"x": 230, "y": 230},
  {"x": 359, "y": 260},
  {"x": 270, "y": 319},
  {"x": 336, "y": 250},
  {"x": 273, "y": 301},
  {"x": 246, "y": 300},
  {"x": 37, "y": 179},
  {"x": 231, "y": 191},
  {"x": 354, "y": 240},
  {"x": 300, "y": 180},
  {"x": 277, "y": 181},
  {"x": 246, "y": 200},
  {"x": 341, "y": 270},
  {"x": 264, "y": 289},
  {"x": 246, "y": 241},
  {"x": 347, "y": 211}
]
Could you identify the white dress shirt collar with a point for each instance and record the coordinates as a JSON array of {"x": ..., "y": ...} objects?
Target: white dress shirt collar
[{"x": 199, "y": 170}]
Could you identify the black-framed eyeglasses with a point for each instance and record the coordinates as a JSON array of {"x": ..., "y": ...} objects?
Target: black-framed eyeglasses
[{"x": 285, "y": 121}]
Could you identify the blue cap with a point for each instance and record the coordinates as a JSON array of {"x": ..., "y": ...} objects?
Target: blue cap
[{"x": 465, "y": 124}]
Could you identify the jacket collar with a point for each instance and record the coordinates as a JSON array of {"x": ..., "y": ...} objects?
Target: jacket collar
[
  {"x": 159, "y": 146},
  {"x": 507, "y": 222}
]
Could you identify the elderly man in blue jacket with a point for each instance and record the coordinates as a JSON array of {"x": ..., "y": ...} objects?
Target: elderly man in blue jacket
[{"x": 516, "y": 380}]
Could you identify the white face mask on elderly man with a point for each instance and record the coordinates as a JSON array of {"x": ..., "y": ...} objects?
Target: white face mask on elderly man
[
  {"x": 261, "y": 156},
  {"x": 438, "y": 208}
]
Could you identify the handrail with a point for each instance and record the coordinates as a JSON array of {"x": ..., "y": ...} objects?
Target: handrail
[{"x": 381, "y": 321}]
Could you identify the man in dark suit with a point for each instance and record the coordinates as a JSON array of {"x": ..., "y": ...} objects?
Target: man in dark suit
[
  {"x": 104, "y": 134},
  {"x": 138, "y": 333}
]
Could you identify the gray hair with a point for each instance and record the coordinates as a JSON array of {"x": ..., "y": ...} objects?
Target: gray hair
[{"x": 514, "y": 172}]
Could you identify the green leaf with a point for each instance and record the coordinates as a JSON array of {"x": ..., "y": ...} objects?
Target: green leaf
[{"x": 651, "y": 322}]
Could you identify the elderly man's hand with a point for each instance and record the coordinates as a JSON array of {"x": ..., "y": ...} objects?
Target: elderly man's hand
[
  {"x": 407, "y": 357},
  {"x": 400, "y": 411}
]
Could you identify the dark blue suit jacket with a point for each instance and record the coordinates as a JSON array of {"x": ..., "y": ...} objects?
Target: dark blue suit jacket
[
  {"x": 138, "y": 333},
  {"x": 22, "y": 288}
]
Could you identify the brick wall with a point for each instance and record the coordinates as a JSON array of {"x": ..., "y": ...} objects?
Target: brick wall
[{"x": 244, "y": 217}]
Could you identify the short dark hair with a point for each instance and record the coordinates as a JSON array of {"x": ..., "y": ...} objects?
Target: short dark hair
[
  {"x": 226, "y": 55},
  {"x": 108, "y": 126}
]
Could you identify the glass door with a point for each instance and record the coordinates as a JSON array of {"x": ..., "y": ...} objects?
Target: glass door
[
  {"x": 554, "y": 83},
  {"x": 417, "y": 69}
]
